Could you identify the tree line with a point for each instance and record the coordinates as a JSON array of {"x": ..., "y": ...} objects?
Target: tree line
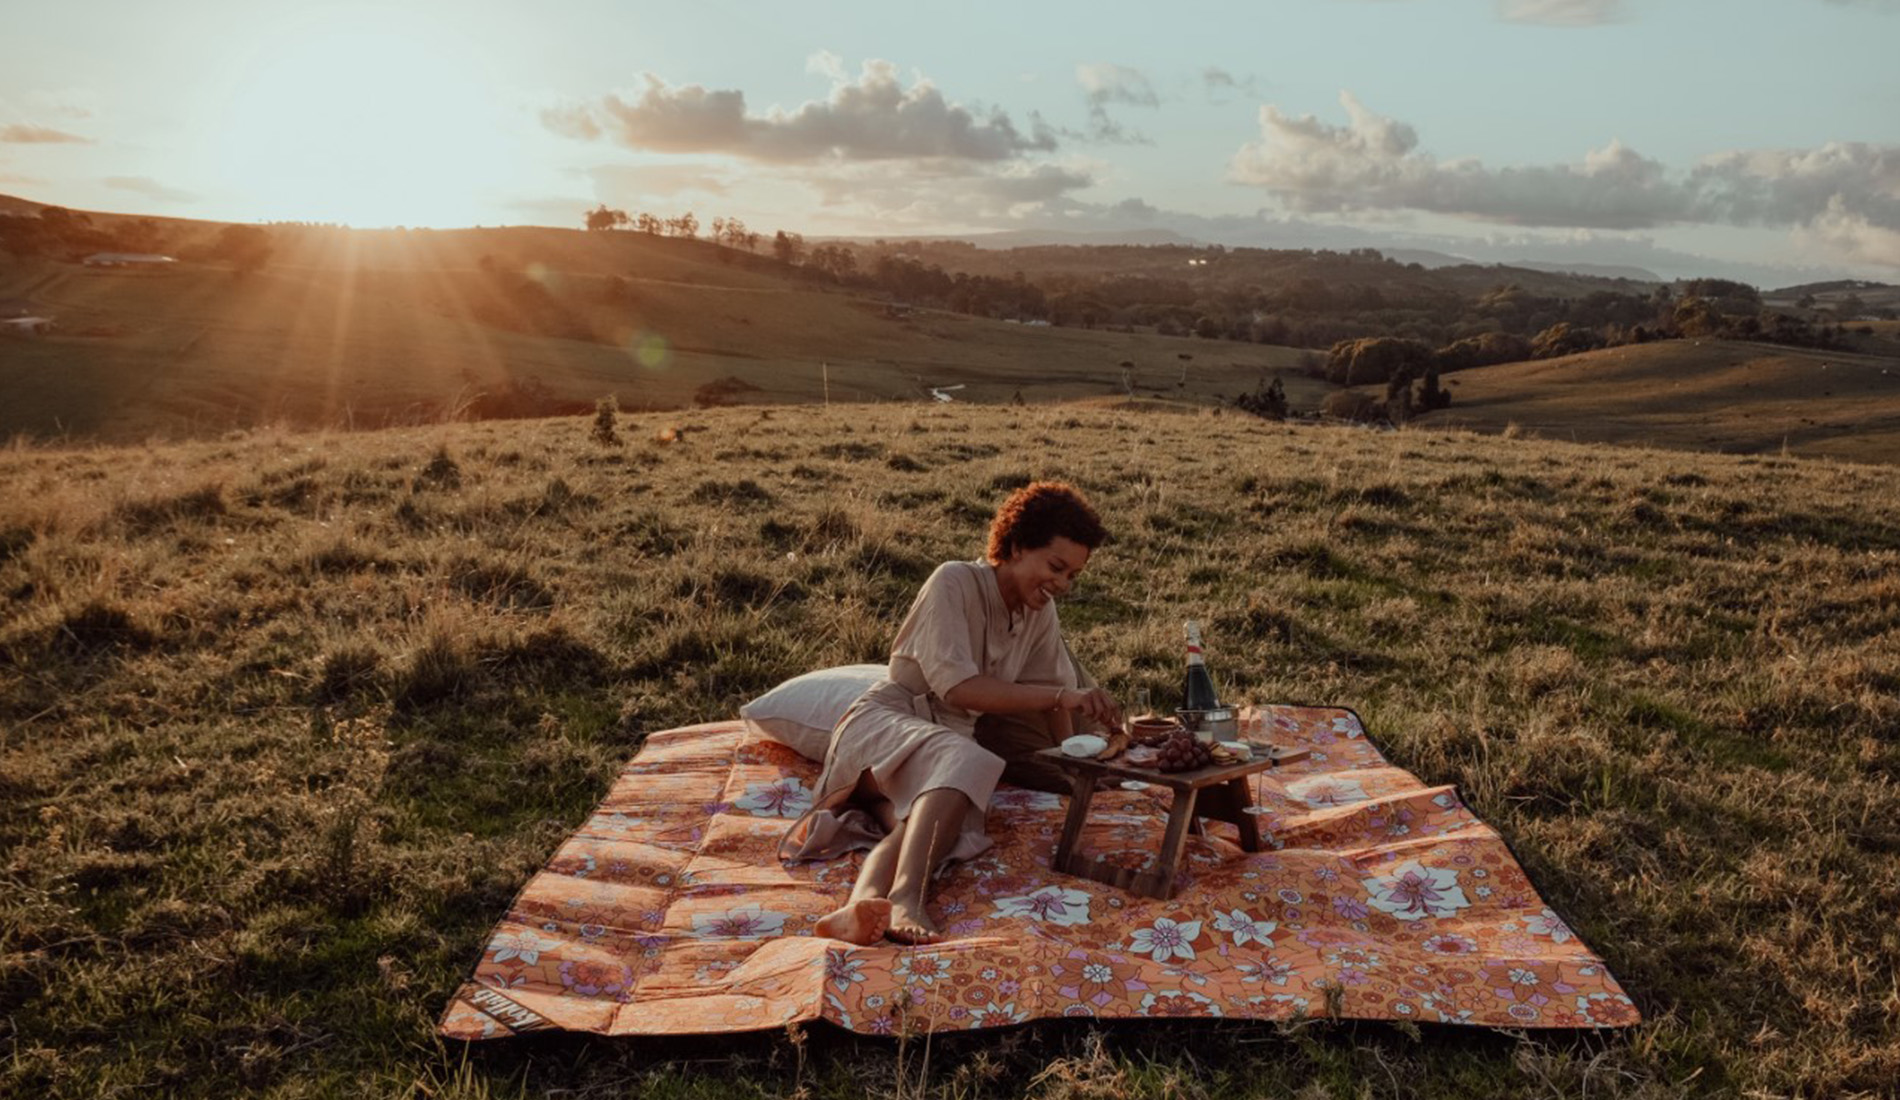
[{"x": 728, "y": 232}]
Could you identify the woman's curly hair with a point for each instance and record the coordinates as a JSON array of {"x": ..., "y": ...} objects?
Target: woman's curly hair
[{"x": 1037, "y": 513}]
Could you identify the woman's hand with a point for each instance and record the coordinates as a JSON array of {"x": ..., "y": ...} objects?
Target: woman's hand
[{"x": 1096, "y": 704}]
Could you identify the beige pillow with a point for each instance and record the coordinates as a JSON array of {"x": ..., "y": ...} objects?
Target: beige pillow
[{"x": 801, "y": 712}]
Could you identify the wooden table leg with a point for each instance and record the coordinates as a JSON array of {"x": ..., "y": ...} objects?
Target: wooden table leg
[
  {"x": 1160, "y": 883},
  {"x": 1082, "y": 793},
  {"x": 1249, "y": 825}
]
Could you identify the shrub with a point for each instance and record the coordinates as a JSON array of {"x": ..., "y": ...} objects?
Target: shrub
[
  {"x": 1267, "y": 402},
  {"x": 1375, "y": 360},
  {"x": 1563, "y": 338},
  {"x": 1482, "y": 351},
  {"x": 1353, "y": 405},
  {"x": 606, "y": 415}
]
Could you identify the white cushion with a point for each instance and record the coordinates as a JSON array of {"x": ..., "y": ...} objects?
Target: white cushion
[{"x": 801, "y": 712}]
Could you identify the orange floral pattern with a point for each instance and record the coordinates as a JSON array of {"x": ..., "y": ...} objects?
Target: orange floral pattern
[{"x": 1381, "y": 898}]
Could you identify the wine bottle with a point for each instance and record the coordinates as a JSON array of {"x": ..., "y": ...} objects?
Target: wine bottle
[{"x": 1199, "y": 694}]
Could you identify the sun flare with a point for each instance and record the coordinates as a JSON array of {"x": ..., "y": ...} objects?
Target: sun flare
[{"x": 362, "y": 119}]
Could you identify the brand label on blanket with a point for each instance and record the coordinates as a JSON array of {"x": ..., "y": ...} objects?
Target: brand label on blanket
[{"x": 506, "y": 1011}]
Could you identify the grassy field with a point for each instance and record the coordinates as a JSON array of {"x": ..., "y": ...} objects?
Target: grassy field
[
  {"x": 371, "y": 328},
  {"x": 1701, "y": 395},
  {"x": 286, "y": 720}
]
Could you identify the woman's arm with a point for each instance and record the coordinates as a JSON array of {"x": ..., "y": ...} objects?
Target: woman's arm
[{"x": 989, "y": 695}]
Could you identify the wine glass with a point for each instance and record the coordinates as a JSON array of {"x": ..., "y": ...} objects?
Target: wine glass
[
  {"x": 1142, "y": 707},
  {"x": 1253, "y": 722}
]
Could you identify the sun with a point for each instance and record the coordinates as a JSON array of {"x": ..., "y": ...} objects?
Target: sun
[{"x": 363, "y": 117}]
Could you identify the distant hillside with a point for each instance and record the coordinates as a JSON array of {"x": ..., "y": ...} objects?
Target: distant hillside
[
  {"x": 1424, "y": 257},
  {"x": 1214, "y": 268},
  {"x": 1035, "y": 238},
  {"x": 1830, "y": 286},
  {"x": 1846, "y": 300},
  {"x": 1709, "y": 395},
  {"x": 1601, "y": 271},
  {"x": 371, "y": 327}
]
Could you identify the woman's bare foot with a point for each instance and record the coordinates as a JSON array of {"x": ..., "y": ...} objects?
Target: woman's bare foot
[
  {"x": 912, "y": 926},
  {"x": 860, "y": 922}
]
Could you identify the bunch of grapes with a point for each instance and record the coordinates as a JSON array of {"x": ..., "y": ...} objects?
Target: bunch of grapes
[{"x": 1183, "y": 753}]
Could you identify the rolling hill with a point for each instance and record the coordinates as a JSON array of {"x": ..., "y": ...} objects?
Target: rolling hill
[
  {"x": 1707, "y": 395},
  {"x": 374, "y": 327},
  {"x": 355, "y": 328}
]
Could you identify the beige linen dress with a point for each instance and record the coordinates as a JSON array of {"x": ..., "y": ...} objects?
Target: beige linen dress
[{"x": 907, "y": 736}]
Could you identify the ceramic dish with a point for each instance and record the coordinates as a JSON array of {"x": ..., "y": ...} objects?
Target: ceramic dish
[{"x": 1084, "y": 744}]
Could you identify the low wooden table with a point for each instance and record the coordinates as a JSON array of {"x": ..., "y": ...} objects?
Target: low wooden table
[{"x": 1219, "y": 792}]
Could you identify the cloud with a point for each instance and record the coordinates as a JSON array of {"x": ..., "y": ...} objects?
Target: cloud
[
  {"x": 1561, "y": 13},
  {"x": 937, "y": 194},
  {"x": 1373, "y": 163},
  {"x": 1838, "y": 231},
  {"x": 1104, "y": 83},
  {"x": 571, "y": 121},
  {"x": 1793, "y": 186},
  {"x": 149, "y": 187},
  {"x": 1039, "y": 183},
  {"x": 27, "y": 134},
  {"x": 872, "y": 118},
  {"x": 1135, "y": 210},
  {"x": 1218, "y": 80},
  {"x": 1836, "y": 192},
  {"x": 827, "y": 64}
]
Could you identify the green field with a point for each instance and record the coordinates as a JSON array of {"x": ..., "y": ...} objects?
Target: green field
[{"x": 287, "y": 718}]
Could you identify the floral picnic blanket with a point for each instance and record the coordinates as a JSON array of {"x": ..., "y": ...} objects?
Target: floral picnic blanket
[{"x": 1379, "y": 898}]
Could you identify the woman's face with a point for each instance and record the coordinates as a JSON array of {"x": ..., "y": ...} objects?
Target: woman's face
[{"x": 1046, "y": 572}]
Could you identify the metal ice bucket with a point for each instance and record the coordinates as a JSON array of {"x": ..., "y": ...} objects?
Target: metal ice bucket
[{"x": 1215, "y": 723}]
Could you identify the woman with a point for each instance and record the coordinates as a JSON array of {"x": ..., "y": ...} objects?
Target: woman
[{"x": 904, "y": 777}]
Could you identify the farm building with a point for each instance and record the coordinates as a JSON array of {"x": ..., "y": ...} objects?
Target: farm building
[
  {"x": 25, "y": 326},
  {"x": 127, "y": 259}
]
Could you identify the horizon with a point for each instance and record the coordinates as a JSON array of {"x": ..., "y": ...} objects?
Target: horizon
[{"x": 1349, "y": 124}]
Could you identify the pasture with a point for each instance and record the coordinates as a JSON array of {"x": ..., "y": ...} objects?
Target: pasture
[
  {"x": 1701, "y": 395},
  {"x": 287, "y": 718}
]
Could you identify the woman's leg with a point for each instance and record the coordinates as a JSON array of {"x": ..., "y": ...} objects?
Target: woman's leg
[
  {"x": 866, "y": 915},
  {"x": 929, "y": 834},
  {"x": 880, "y": 866}
]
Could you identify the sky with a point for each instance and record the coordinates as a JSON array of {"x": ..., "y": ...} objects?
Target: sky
[{"x": 1756, "y": 139}]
